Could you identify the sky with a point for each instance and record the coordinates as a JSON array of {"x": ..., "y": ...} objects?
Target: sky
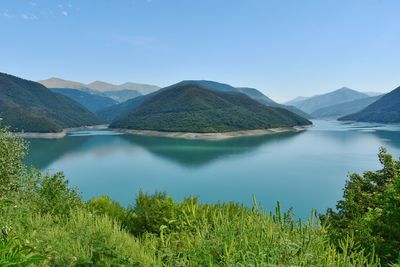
[{"x": 285, "y": 48}]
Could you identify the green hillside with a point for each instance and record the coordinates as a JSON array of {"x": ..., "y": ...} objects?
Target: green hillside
[
  {"x": 111, "y": 113},
  {"x": 385, "y": 110},
  {"x": 29, "y": 106},
  {"x": 191, "y": 108}
]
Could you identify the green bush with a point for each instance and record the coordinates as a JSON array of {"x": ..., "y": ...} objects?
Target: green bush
[
  {"x": 150, "y": 212},
  {"x": 51, "y": 194},
  {"x": 12, "y": 151},
  {"x": 106, "y": 206}
]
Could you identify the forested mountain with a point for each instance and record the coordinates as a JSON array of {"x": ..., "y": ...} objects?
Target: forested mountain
[
  {"x": 92, "y": 102},
  {"x": 31, "y": 107},
  {"x": 343, "y": 109},
  {"x": 384, "y": 110},
  {"x": 339, "y": 96},
  {"x": 187, "y": 107},
  {"x": 251, "y": 92},
  {"x": 122, "y": 109}
]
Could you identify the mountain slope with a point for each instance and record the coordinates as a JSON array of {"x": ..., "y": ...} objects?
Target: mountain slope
[
  {"x": 385, "y": 110},
  {"x": 192, "y": 108},
  {"x": 111, "y": 113},
  {"x": 31, "y": 107},
  {"x": 92, "y": 102},
  {"x": 296, "y": 100},
  {"x": 343, "y": 109},
  {"x": 251, "y": 92},
  {"x": 121, "y": 95},
  {"x": 122, "y": 109},
  {"x": 339, "y": 96}
]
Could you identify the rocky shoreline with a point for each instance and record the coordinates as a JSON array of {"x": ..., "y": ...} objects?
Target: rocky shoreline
[{"x": 61, "y": 134}]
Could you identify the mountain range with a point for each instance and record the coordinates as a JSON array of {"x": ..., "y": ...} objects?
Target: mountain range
[
  {"x": 119, "y": 93},
  {"x": 29, "y": 106},
  {"x": 385, "y": 110},
  {"x": 342, "y": 95},
  {"x": 190, "y": 106},
  {"x": 346, "y": 108}
]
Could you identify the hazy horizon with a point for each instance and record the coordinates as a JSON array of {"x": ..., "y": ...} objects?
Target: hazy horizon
[{"x": 283, "y": 48}]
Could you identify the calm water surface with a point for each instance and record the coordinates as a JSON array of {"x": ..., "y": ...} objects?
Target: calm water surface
[{"x": 301, "y": 170}]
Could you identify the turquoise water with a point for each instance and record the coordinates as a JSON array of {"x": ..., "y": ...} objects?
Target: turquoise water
[{"x": 301, "y": 170}]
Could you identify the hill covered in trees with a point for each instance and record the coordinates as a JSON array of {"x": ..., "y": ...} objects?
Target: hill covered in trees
[
  {"x": 190, "y": 107},
  {"x": 122, "y": 109},
  {"x": 384, "y": 110},
  {"x": 29, "y": 106}
]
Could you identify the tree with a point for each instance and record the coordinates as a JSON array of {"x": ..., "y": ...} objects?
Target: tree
[
  {"x": 370, "y": 210},
  {"x": 12, "y": 152}
]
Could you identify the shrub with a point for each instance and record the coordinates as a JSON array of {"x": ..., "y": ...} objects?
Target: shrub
[
  {"x": 51, "y": 193},
  {"x": 106, "y": 206},
  {"x": 150, "y": 212},
  {"x": 12, "y": 152}
]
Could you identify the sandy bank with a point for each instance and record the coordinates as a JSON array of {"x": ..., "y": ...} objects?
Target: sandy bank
[
  {"x": 214, "y": 136},
  {"x": 60, "y": 134}
]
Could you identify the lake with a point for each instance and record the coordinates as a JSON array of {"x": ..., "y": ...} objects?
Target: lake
[{"x": 302, "y": 170}]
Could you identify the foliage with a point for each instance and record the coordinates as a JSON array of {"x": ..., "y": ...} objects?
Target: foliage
[
  {"x": 371, "y": 210},
  {"x": 191, "y": 108},
  {"x": 106, "y": 206},
  {"x": 50, "y": 193},
  {"x": 12, "y": 150},
  {"x": 14, "y": 252}
]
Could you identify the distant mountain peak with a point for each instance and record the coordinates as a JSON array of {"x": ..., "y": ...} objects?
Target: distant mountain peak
[
  {"x": 55, "y": 82},
  {"x": 338, "y": 96}
]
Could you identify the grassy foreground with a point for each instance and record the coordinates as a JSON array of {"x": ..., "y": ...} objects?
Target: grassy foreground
[{"x": 44, "y": 222}]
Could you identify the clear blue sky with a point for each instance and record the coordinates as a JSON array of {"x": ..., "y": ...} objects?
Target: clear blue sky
[{"x": 284, "y": 48}]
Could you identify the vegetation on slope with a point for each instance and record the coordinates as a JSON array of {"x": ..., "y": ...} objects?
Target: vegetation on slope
[
  {"x": 117, "y": 111},
  {"x": 31, "y": 107},
  {"x": 191, "y": 108},
  {"x": 385, "y": 110},
  {"x": 44, "y": 222}
]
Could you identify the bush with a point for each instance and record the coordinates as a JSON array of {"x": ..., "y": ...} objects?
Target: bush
[
  {"x": 51, "y": 194},
  {"x": 104, "y": 205},
  {"x": 12, "y": 152},
  {"x": 150, "y": 212}
]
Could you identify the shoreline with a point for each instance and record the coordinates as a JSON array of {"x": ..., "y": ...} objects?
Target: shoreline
[
  {"x": 61, "y": 134},
  {"x": 214, "y": 136}
]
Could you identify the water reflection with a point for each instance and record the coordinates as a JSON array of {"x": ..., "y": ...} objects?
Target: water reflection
[{"x": 195, "y": 153}]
